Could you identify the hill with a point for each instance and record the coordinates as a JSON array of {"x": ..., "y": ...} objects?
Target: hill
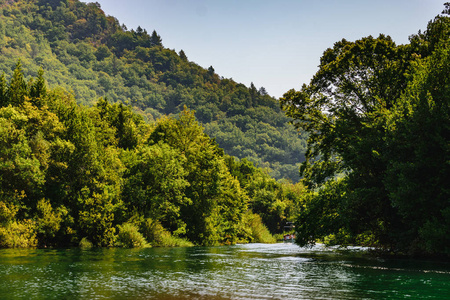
[{"x": 83, "y": 50}]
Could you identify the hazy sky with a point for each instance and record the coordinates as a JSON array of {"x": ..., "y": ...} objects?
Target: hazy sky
[{"x": 276, "y": 44}]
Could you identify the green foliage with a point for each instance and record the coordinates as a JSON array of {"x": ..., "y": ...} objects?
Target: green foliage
[
  {"x": 75, "y": 174},
  {"x": 83, "y": 50},
  {"x": 321, "y": 215},
  {"x": 209, "y": 188},
  {"x": 96, "y": 217},
  {"x": 18, "y": 234},
  {"x": 155, "y": 184},
  {"x": 158, "y": 236},
  {"x": 100, "y": 176},
  {"x": 256, "y": 231},
  {"x": 130, "y": 237},
  {"x": 377, "y": 115},
  {"x": 49, "y": 221},
  {"x": 85, "y": 244},
  {"x": 276, "y": 202},
  {"x": 8, "y": 212},
  {"x": 15, "y": 233},
  {"x": 419, "y": 126},
  {"x": 20, "y": 169}
]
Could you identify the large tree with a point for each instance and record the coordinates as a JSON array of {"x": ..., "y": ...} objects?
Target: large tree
[
  {"x": 350, "y": 160},
  {"x": 418, "y": 154}
]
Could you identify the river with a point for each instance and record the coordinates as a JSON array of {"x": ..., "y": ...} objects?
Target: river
[{"x": 252, "y": 271}]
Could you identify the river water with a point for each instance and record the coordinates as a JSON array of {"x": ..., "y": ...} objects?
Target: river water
[{"x": 253, "y": 271}]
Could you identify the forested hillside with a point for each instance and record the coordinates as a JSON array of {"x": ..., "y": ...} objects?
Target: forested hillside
[{"x": 83, "y": 50}]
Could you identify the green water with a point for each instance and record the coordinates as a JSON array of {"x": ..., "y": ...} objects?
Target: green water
[{"x": 254, "y": 271}]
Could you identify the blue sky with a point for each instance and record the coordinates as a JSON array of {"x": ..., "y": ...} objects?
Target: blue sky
[{"x": 275, "y": 44}]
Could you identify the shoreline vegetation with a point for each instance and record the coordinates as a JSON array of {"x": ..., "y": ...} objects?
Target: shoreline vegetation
[
  {"x": 101, "y": 176},
  {"x": 377, "y": 165}
]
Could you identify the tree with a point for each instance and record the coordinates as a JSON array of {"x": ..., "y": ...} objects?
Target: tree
[
  {"x": 340, "y": 110},
  {"x": 38, "y": 89},
  {"x": 366, "y": 115},
  {"x": 418, "y": 152},
  {"x": 336, "y": 108},
  {"x": 82, "y": 49},
  {"x": 155, "y": 185},
  {"x": 17, "y": 86},
  {"x": 211, "y": 190},
  {"x": 4, "y": 99},
  {"x": 155, "y": 39},
  {"x": 20, "y": 170},
  {"x": 183, "y": 55}
]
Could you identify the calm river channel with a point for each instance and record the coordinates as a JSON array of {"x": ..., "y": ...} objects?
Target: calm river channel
[{"x": 253, "y": 271}]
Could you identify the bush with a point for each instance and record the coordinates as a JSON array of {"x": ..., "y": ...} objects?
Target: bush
[
  {"x": 48, "y": 221},
  {"x": 85, "y": 243},
  {"x": 257, "y": 231},
  {"x": 7, "y": 211},
  {"x": 158, "y": 236},
  {"x": 130, "y": 237},
  {"x": 18, "y": 234}
]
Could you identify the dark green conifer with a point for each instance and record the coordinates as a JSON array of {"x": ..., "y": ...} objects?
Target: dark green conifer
[
  {"x": 4, "y": 100},
  {"x": 38, "y": 89},
  {"x": 183, "y": 55},
  {"x": 155, "y": 39},
  {"x": 17, "y": 87}
]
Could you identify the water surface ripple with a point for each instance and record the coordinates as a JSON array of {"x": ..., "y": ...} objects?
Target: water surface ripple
[{"x": 253, "y": 271}]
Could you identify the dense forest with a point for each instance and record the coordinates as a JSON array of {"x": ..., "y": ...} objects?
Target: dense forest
[
  {"x": 377, "y": 164},
  {"x": 89, "y": 53},
  {"x": 100, "y": 175}
]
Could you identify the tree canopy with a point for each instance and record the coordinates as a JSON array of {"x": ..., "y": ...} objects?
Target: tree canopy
[
  {"x": 377, "y": 115},
  {"x": 76, "y": 175}
]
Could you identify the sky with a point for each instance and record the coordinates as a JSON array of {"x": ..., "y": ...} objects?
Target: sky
[{"x": 275, "y": 44}]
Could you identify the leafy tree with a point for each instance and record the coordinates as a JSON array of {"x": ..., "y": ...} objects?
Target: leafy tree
[
  {"x": 38, "y": 89},
  {"x": 17, "y": 87},
  {"x": 99, "y": 176},
  {"x": 4, "y": 99},
  {"x": 72, "y": 173},
  {"x": 209, "y": 185},
  {"x": 49, "y": 222},
  {"x": 155, "y": 185},
  {"x": 20, "y": 169},
  {"x": 418, "y": 153},
  {"x": 362, "y": 112}
]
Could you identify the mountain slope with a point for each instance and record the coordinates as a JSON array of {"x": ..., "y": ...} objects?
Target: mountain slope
[{"x": 82, "y": 49}]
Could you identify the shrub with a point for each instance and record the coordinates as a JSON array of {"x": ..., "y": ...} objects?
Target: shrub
[
  {"x": 257, "y": 231},
  {"x": 130, "y": 237},
  {"x": 48, "y": 221},
  {"x": 18, "y": 234},
  {"x": 158, "y": 236},
  {"x": 85, "y": 243},
  {"x": 7, "y": 211}
]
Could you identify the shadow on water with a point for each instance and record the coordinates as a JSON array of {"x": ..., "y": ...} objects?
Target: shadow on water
[{"x": 253, "y": 271}]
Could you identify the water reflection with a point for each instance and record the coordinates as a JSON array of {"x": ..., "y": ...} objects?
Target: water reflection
[{"x": 254, "y": 271}]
